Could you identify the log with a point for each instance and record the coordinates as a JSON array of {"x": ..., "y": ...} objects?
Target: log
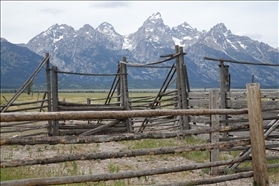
[
  {"x": 16, "y": 124},
  {"x": 114, "y": 176},
  {"x": 107, "y": 131},
  {"x": 107, "y": 138},
  {"x": 89, "y": 108},
  {"x": 22, "y": 129},
  {"x": 100, "y": 128},
  {"x": 27, "y": 103},
  {"x": 211, "y": 180},
  {"x": 86, "y": 126},
  {"x": 71, "y": 104},
  {"x": 25, "y": 109},
  {"x": 272, "y": 126},
  {"x": 245, "y": 169},
  {"x": 121, "y": 154},
  {"x": 268, "y": 146},
  {"x": 77, "y": 115}
]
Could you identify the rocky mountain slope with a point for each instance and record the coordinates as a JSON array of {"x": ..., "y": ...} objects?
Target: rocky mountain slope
[{"x": 17, "y": 64}]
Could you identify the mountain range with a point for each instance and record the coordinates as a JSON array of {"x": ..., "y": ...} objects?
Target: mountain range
[{"x": 99, "y": 50}]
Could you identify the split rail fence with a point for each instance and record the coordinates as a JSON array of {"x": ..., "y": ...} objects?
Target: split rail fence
[
  {"x": 174, "y": 112},
  {"x": 258, "y": 134}
]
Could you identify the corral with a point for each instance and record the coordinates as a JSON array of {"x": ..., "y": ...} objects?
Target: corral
[{"x": 171, "y": 113}]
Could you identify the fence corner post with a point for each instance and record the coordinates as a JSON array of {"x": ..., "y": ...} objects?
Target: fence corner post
[{"x": 259, "y": 163}]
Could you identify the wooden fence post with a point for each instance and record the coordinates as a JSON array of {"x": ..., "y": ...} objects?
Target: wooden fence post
[
  {"x": 256, "y": 134},
  {"x": 227, "y": 77},
  {"x": 48, "y": 91},
  {"x": 55, "y": 123},
  {"x": 125, "y": 92},
  {"x": 214, "y": 122},
  {"x": 223, "y": 92},
  {"x": 181, "y": 82}
]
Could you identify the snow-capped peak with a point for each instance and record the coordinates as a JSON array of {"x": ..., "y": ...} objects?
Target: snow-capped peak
[
  {"x": 106, "y": 28},
  {"x": 186, "y": 25},
  {"x": 220, "y": 27},
  {"x": 155, "y": 16}
]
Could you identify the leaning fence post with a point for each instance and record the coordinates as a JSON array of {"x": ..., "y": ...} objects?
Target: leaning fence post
[
  {"x": 214, "y": 123},
  {"x": 256, "y": 134}
]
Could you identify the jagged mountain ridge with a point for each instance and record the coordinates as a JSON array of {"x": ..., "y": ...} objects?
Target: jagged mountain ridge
[{"x": 98, "y": 50}]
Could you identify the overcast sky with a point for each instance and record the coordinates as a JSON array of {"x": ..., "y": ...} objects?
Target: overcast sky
[{"x": 23, "y": 20}]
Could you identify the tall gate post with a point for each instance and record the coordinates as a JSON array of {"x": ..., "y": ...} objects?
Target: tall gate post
[
  {"x": 48, "y": 87},
  {"x": 55, "y": 124},
  {"x": 214, "y": 122},
  {"x": 224, "y": 77},
  {"x": 124, "y": 92},
  {"x": 181, "y": 86},
  {"x": 254, "y": 104}
]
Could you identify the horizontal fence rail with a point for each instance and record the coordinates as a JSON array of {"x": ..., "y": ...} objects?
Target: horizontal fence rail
[
  {"x": 31, "y": 116},
  {"x": 116, "y": 137},
  {"x": 115, "y": 176},
  {"x": 121, "y": 154}
]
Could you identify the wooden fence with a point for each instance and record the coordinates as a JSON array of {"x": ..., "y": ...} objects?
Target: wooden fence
[
  {"x": 258, "y": 132},
  {"x": 118, "y": 98}
]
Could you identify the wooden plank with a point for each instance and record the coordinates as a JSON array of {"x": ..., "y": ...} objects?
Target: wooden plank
[
  {"x": 200, "y": 119},
  {"x": 239, "y": 104},
  {"x": 201, "y": 103},
  {"x": 200, "y": 95},
  {"x": 259, "y": 163},
  {"x": 243, "y": 95}
]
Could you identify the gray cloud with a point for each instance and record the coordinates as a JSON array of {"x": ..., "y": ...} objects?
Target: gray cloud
[{"x": 110, "y": 4}]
